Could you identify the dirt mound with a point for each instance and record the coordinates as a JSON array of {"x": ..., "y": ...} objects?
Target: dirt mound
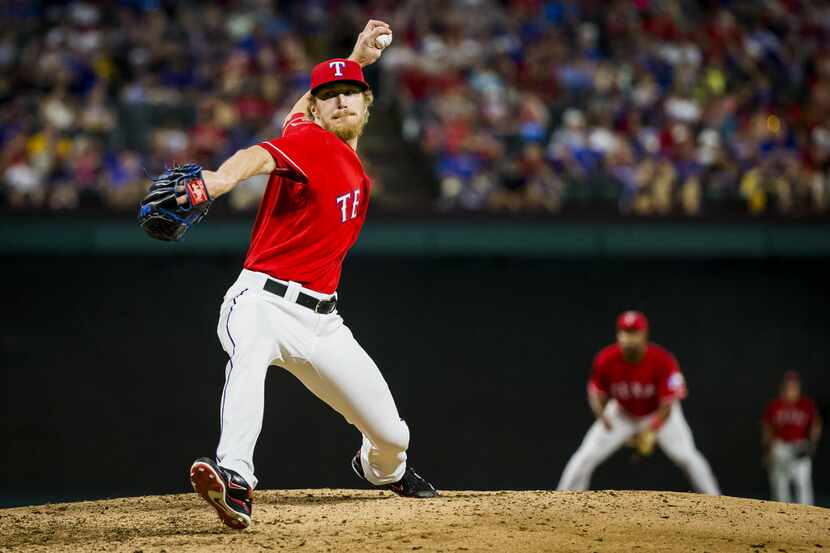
[{"x": 351, "y": 520}]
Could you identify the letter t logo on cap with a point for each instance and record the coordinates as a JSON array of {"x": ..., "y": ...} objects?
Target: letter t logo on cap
[
  {"x": 338, "y": 67},
  {"x": 337, "y": 70}
]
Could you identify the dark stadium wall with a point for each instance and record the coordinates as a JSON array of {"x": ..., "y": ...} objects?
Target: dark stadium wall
[{"x": 112, "y": 369}]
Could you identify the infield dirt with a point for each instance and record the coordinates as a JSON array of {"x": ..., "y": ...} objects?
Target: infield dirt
[{"x": 365, "y": 521}]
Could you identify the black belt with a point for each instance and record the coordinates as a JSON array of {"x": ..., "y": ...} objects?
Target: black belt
[{"x": 324, "y": 307}]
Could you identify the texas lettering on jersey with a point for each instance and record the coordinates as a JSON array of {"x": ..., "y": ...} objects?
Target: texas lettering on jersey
[
  {"x": 313, "y": 208},
  {"x": 344, "y": 200},
  {"x": 632, "y": 390},
  {"x": 795, "y": 417},
  {"x": 790, "y": 422},
  {"x": 638, "y": 387}
]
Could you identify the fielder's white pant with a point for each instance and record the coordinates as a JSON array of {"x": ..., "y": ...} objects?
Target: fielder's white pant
[
  {"x": 786, "y": 468},
  {"x": 674, "y": 438},
  {"x": 258, "y": 329}
]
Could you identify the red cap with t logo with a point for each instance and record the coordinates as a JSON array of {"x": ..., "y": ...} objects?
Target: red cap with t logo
[
  {"x": 632, "y": 320},
  {"x": 337, "y": 70}
]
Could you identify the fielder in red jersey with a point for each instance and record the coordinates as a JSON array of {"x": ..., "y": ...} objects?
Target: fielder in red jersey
[
  {"x": 640, "y": 388},
  {"x": 634, "y": 391},
  {"x": 791, "y": 429},
  {"x": 282, "y": 309}
]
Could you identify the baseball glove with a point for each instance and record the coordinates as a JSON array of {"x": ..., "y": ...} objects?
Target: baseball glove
[
  {"x": 804, "y": 450},
  {"x": 643, "y": 442},
  {"x": 160, "y": 214}
]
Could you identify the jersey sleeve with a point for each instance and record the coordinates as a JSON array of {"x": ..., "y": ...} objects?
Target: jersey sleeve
[
  {"x": 296, "y": 123},
  {"x": 294, "y": 151},
  {"x": 672, "y": 384},
  {"x": 598, "y": 383}
]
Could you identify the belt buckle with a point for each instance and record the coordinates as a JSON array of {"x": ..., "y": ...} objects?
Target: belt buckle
[{"x": 329, "y": 304}]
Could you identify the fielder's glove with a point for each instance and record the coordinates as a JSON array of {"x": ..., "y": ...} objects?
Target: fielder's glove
[
  {"x": 644, "y": 442},
  {"x": 160, "y": 214},
  {"x": 805, "y": 450}
]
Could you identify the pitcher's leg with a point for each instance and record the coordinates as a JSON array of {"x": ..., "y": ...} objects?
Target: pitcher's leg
[
  {"x": 346, "y": 378},
  {"x": 241, "y": 411},
  {"x": 599, "y": 443},
  {"x": 676, "y": 441},
  {"x": 243, "y": 398}
]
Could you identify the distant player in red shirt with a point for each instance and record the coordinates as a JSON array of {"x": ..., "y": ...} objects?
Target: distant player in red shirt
[
  {"x": 791, "y": 429},
  {"x": 282, "y": 308},
  {"x": 635, "y": 391}
]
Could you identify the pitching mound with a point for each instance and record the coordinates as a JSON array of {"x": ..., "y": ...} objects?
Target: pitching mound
[{"x": 351, "y": 520}]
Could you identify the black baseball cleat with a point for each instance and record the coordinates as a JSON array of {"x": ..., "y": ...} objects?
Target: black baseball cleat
[
  {"x": 410, "y": 485},
  {"x": 224, "y": 490}
]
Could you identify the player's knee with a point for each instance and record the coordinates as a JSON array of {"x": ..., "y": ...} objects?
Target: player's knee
[
  {"x": 392, "y": 437},
  {"x": 682, "y": 460},
  {"x": 254, "y": 353},
  {"x": 589, "y": 463},
  {"x": 586, "y": 459},
  {"x": 682, "y": 464}
]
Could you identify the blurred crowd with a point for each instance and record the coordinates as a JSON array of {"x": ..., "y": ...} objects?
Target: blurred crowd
[
  {"x": 93, "y": 94},
  {"x": 658, "y": 106},
  {"x": 669, "y": 107}
]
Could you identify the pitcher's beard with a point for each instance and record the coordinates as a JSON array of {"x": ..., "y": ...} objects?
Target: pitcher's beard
[{"x": 347, "y": 132}]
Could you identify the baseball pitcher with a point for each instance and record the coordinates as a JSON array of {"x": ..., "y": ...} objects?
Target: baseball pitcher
[
  {"x": 635, "y": 392},
  {"x": 282, "y": 309},
  {"x": 791, "y": 429}
]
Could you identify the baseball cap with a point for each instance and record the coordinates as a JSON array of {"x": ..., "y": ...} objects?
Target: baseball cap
[
  {"x": 337, "y": 70},
  {"x": 632, "y": 320}
]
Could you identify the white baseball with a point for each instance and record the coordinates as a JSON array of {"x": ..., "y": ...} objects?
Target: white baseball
[{"x": 382, "y": 41}]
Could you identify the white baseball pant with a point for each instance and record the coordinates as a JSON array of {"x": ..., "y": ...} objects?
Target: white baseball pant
[
  {"x": 258, "y": 329},
  {"x": 674, "y": 438},
  {"x": 787, "y": 468}
]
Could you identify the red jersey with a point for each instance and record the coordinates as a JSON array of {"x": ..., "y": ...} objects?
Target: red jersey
[
  {"x": 640, "y": 387},
  {"x": 313, "y": 208},
  {"x": 790, "y": 422}
]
